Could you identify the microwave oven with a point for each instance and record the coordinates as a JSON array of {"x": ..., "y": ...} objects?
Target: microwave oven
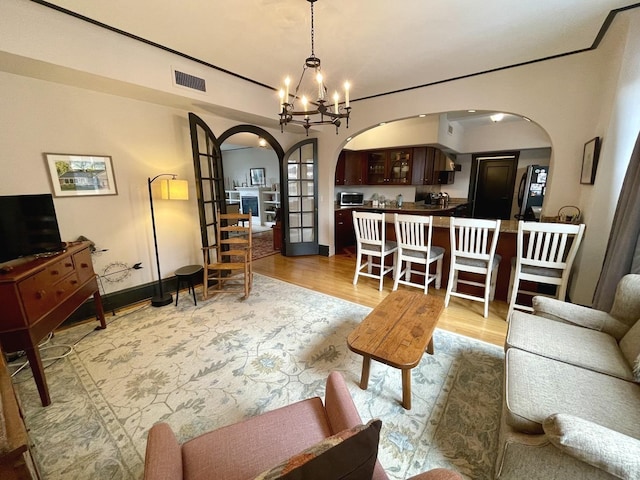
[{"x": 351, "y": 198}]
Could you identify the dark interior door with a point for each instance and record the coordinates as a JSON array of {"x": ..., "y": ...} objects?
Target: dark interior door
[{"x": 494, "y": 185}]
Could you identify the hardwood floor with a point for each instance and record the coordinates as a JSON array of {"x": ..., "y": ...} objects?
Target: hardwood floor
[{"x": 334, "y": 276}]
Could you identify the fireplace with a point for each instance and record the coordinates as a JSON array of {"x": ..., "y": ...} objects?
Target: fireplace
[{"x": 250, "y": 203}]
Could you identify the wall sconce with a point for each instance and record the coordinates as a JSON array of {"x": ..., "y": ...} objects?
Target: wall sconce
[{"x": 169, "y": 190}]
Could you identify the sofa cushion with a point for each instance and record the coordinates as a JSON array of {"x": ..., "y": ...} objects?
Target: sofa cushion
[
  {"x": 536, "y": 387},
  {"x": 578, "y": 346},
  {"x": 630, "y": 346},
  {"x": 350, "y": 454},
  {"x": 601, "y": 447},
  {"x": 263, "y": 440}
]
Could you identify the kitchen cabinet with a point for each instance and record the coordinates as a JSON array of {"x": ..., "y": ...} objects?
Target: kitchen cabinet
[
  {"x": 389, "y": 167},
  {"x": 350, "y": 168},
  {"x": 344, "y": 234},
  {"x": 425, "y": 169}
]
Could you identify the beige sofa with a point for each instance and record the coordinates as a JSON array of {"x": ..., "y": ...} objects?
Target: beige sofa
[
  {"x": 571, "y": 391},
  {"x": 245, "y": 450}
]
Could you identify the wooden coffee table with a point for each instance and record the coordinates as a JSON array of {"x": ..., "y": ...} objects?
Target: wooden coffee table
[{"x": 396, "y": 333}]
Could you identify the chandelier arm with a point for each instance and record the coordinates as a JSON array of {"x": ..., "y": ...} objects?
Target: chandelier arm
[{"x": 288, "y": 113}]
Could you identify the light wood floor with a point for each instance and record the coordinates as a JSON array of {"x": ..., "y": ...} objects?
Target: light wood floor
[{"x": 334, "y": 276}]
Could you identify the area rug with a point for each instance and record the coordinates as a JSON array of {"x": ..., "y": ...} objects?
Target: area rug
[
  {"x": 263, "y": 245},
  {"x": 199, "y": 368}
]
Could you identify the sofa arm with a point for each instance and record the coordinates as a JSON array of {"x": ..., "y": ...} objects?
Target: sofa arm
[
  {"x": 601, "y": 447},
  {"x": 163, "y": 459},
  {"x": 565, "y": 312},
  {"x": 438, "y": 474}
]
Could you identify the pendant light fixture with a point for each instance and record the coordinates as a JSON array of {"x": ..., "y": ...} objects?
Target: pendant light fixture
[{"x": 319, "y": 112}]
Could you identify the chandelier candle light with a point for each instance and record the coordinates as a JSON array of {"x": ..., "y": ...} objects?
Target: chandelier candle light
[{"x": 322, "y": 114}]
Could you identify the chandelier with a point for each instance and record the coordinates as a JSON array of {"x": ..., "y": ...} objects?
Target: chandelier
[{"x": 320, "y": 112}]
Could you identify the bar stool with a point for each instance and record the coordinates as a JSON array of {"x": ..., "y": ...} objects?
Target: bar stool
[
  {"x": 187, "y": 274},
  {"x": 544, "y": 254},
  {"x": 473, "y": 250},
  {"x": 370, "y": 241},
  {"x": 413, "y": 234}
]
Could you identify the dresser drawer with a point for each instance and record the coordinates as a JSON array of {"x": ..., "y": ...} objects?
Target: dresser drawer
[
  {"x": 84, "y": 265},
  {"x": 37, "y": 294}
]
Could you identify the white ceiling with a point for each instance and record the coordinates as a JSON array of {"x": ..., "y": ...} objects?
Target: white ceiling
[{"x": 378, "y": 45}]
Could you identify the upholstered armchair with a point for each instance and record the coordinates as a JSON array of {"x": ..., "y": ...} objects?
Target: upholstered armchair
[{"x": 308, "y": 439}]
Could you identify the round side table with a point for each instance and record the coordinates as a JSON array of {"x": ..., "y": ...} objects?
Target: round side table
[{"x": 188, "y": 274}]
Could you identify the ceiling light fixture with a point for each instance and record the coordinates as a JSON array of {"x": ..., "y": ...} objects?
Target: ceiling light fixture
[
  {"x": 496, "y": 117},
  {"x": 322, "y": 114}
]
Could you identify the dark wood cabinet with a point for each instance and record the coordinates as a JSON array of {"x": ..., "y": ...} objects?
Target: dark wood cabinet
[
  {"x": 37, "y": 295},
  {"x": 425, "y": 169},
  {"x": 389, "y": 167},
  {"x": 344, "y": 234},
  {"x": 350, "y": 169}
]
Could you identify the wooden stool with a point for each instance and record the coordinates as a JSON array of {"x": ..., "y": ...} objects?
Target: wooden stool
[{"x": 187, "y": 274}]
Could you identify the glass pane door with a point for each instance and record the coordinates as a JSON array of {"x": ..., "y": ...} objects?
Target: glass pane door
[{"x": 301, "y": 219}]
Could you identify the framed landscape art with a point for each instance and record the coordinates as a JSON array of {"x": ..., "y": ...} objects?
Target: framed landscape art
[
  {"x": 590, "y": 156},
  {"x": 80, "y": 175}
]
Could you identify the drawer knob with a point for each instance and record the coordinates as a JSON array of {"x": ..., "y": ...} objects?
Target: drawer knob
[
  {"x": 40, "y": 294},
  {"x": 84, "y": 265},
  {"x": 68, "y": 264},
  {"x": 55, "y": 272}
]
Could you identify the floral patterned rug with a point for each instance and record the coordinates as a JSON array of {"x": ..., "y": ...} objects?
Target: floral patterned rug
[{"x": 202, "y": 367}]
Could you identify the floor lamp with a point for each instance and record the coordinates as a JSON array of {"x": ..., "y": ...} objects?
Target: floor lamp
[{"x": 169, "y": 190}]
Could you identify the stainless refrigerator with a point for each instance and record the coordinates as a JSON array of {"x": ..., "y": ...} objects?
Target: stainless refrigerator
[{"x": 531, "y": 193}]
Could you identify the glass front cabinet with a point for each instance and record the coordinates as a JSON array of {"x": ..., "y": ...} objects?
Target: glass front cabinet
[{"x": 389, "y": 167}]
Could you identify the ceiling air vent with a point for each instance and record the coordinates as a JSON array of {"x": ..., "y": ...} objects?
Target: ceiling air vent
[{"x": 189, "y": 81}]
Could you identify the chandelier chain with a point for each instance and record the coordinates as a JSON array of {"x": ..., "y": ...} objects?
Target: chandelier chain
[{"x": 312, "y": 32}]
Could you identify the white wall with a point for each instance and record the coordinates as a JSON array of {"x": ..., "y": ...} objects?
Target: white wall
[
  {"x": 618, "y": 126},
  {"x": 573, "y": 99},
  {"x": 565, "y": 96},
  {"x": 143, "y": 140},
  {"x": 236, "y": 164}
]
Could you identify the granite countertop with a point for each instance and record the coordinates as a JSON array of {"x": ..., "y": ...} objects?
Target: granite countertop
[
  {"x": 407, "y": 207},
  {"x": 506, "y": 226}
]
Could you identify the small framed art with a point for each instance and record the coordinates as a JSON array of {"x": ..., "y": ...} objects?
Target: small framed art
[
  {"x": 80, "y": 175},
  {"x": 257, "y": 176},
  {"x": 590, "y": 156}
]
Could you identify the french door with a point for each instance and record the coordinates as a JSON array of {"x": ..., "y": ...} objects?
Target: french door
[
  {"x": 207, "y": 164},
  {"x": 300, "y": 213}
]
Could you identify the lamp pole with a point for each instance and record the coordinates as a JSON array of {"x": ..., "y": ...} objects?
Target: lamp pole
[{"x": 162, "y": 298}]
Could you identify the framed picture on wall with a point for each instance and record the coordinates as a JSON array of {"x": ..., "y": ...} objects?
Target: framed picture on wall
[
  {"x": 257, "y": 176},
  {"x": 590, "y": 161},
  {"x": 80, "y": 175}
]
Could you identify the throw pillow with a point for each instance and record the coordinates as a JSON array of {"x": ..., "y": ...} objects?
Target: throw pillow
[
  {"x": 630, "y": 347},
  {"x": 601, "y": 447},
  {"x": 350, "y": 454}
]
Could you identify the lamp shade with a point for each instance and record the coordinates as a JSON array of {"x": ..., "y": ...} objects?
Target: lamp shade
[{"x": 174, "y": 189}]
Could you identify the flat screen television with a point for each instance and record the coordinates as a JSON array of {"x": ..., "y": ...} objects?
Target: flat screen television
[{"x": 28, "y": 226}]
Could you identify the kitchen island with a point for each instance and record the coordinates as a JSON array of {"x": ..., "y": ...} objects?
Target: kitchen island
[{"x": 441, "y": 220}]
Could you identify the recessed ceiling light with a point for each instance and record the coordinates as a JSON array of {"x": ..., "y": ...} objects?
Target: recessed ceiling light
[
  {"x": 471, "y": 111},
  {"x": 496, "y": 117},
  {"x": 527, "y": 119},
  {"x": 422, "y": 116},
  {"x": 349, "y": 139},
  {"x": 382, "y": 123}
]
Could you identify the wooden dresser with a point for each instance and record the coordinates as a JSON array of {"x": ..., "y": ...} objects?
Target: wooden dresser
[{"x": 37, "y": 295}]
